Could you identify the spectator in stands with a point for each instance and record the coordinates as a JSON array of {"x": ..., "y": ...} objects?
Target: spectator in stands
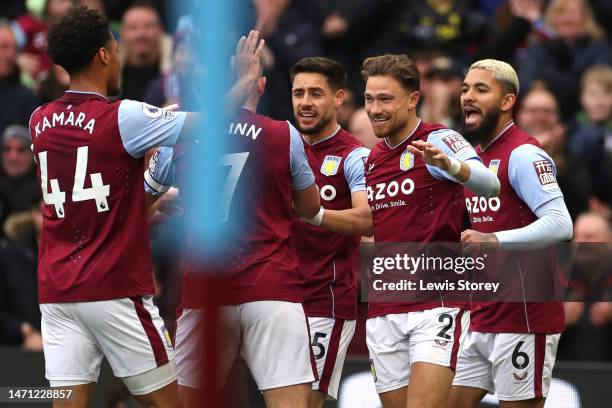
[
  {"x": 19, "y": 311},
  {"x": 588, "y": 312},
  {"x": 577, "y": 44},
  {"x": 54, "y": 85},
  {"x": 12, "y": 8},
  {"x": 345, "y": 111},
  {"x": 16, "y": 100},
  {"x": 31, "y": 34},
  {"x": 290, "y": 36},
  {"x": 514, "y": 22},
  {"x": 18, "y": 183},
  {"x": 590, "y": 133},
  {"x": 361, "y": 127},
  {"x": 539, "y": 116},
  {"x": 142, "y": 41},
  {"x": 440, "y": 98},
  {"x": 449, "y": 26},
  {"x": 180, "y": 84}
]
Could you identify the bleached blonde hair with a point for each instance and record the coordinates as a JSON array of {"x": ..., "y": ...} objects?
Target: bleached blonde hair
[{"x": 503, "y": 73}]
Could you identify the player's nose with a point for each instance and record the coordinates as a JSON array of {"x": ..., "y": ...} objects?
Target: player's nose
[{"x": 375, "y": 108}]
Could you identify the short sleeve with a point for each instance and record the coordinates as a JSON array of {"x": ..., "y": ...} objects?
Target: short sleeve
[
  {"x": 159, "y": 176},
  {"x": 354, "y": 169},
  {"x": 143, "y": 126},
  {"x": 453, "y": 145},
  {"x": 301, "y": 174},
  {"x": 532, "y": 174}
]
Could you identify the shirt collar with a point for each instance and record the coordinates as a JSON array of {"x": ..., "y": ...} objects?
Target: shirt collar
[
  {"x": 406, "y": 138},
  {"x": 323, "y": 140},
  {"x": 501, "y": 132}
]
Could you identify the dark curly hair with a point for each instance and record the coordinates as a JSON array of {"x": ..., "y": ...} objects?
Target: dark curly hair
[{"x": 75, "y": 39}]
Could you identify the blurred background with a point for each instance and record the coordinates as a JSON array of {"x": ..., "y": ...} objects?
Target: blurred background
[{"x": 561, "y": 50}]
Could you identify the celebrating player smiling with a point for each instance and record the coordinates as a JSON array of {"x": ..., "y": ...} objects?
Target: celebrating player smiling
[{"x": 415, "y": 178}]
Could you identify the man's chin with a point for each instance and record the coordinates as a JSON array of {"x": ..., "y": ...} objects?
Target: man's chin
[
  {"x": 307, "y": 130},
  {"x": 381, "y": 135}
]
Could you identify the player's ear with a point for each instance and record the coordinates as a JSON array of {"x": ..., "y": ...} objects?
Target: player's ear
[
  {"x": 104, "y": 56},
  {"x": 413, "y": 99},
  {"x": 261, "y": 85},
  {"x": 508, "y": 102},
  {"x": 340, "y": 95}
]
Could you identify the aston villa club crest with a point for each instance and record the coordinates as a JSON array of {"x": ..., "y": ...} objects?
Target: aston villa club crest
[
  {"x": 494, "y": 166},
  {"x": 330, "y": 165},
  {"x": 406, "y": 160}
]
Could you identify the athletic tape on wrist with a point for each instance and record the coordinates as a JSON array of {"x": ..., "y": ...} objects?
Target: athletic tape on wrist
[
  {"x": 317, "y": 219},
  {"x": 455, "y": 166}
]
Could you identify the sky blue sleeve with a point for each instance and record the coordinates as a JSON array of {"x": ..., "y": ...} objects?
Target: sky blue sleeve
[
  {"x": 354, "y": 169},
  {"x": 452, "y": 144},
  {"x": 143, "y": 126},
  {"x": 301, "y": 174},
  {"x": 532, "y": 174},
  {"x": 160, "y": 174}
]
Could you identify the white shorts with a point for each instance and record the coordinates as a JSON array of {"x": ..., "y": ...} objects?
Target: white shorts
[
  {"x": 330, "y": 340},
  {"x": 271, "y": 336},
  {"x": 395, "y": 341},
  {"x": 129, "y": 332},
  {"x": 517, "y": 366}
]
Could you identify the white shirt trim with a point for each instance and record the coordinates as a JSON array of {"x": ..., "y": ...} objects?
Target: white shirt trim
[
  {"x": 501, "y": 132},
  {"x": 322, "y": 140}
]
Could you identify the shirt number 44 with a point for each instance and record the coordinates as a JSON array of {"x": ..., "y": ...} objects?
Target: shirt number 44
[{"x": 98, "y": 190}]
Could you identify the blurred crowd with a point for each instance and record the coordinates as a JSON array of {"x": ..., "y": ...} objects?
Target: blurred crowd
[{"x": 561, "y": 49}]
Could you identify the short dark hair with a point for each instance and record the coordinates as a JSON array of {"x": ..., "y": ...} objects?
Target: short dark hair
[
  {"x": 399, "y": 67},
  {"x": 332, "y": 70},
  {"x": 75, "y": 39}
]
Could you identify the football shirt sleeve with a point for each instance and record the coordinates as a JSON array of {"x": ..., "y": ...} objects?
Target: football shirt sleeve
[
  {"x": 532, "y": 174},
  {"x": 354, "y": 169},
  {"x": 453, "y": 145},
  {"x": 301, "y": 174},
  {"x": 160, "y": 174},
  {"x": 143, "y": 126}
]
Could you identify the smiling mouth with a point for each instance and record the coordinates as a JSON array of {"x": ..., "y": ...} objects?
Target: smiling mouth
[
  {"x": 380, "y": 120},
  {"x": 307, "y": 114}
]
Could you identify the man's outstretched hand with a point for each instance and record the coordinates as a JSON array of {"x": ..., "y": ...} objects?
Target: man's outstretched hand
[
  {"x": 246, "y": 61},
  {"x": 430, "y": 154}
]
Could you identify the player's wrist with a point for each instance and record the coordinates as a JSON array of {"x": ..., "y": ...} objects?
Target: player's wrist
[
  {"x": 317, "y": 219},
  {"x": 455, "y": 166}
]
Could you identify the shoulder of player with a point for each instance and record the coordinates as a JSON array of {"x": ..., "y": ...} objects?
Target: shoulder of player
[
  {"x": 426, "y": 128},
  {"x": 379, "y": 148},
  {"x": 38, "y": 111},
  {"x": 526, "y": 152},
  {"x": 266, "y": 122},
  {"x": 348, "y": 140},
  {"x": 439, "y": 133},
  {"x": 520, "y": 137}
]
